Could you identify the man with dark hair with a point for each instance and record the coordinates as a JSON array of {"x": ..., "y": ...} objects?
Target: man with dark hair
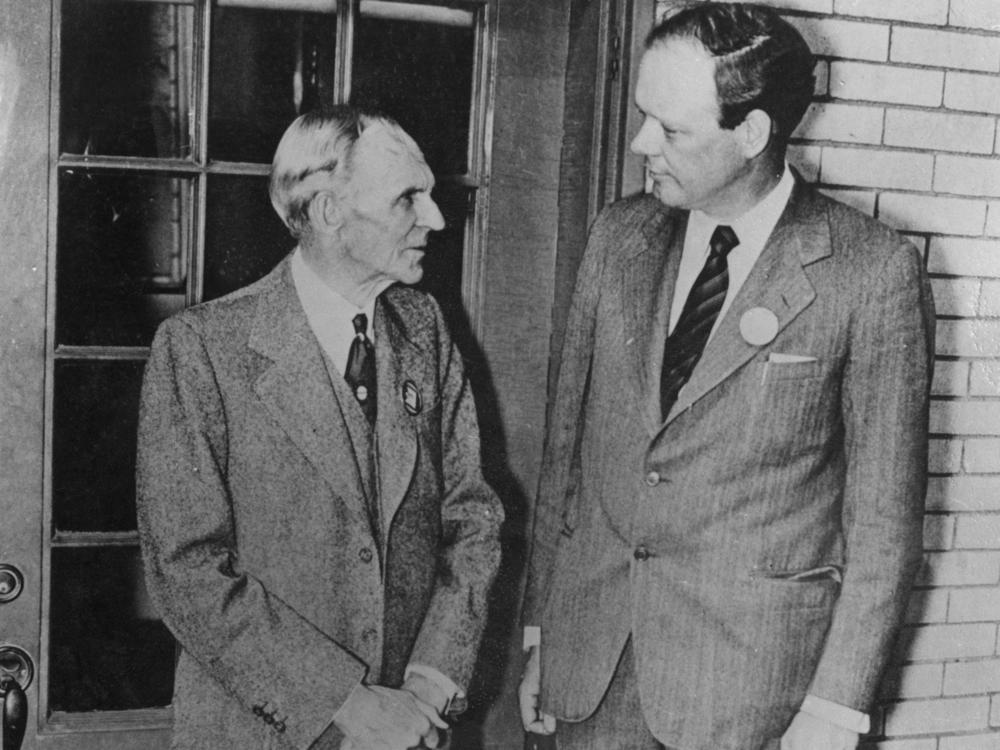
[
  {"x": 316, "y": 530},
  {"x": 729, "y": 515}
]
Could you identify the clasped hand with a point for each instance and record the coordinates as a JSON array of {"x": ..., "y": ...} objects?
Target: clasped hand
[{"x": 380, "y": 718}]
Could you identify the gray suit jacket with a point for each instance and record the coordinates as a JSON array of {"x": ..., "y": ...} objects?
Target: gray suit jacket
[
  {"x": 778, "y": 507},
  {"x": 252, "y": 515}
]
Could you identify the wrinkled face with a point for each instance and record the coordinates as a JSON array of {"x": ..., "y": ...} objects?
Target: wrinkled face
[
  {"x": 388, "y": 210},
  {"x": 693, "y": 162}
]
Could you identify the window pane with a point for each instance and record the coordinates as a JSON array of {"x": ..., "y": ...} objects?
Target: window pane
[
  {"x": 122, "y": 254},
  {"x": 421, "y": 75},
  {"x": 267, "y": 67},
  {"x": 126, "y": 78},
  {"x": 108, "y": 649},
  {"x": 244, "y": 237},
  {"x": 93, "y": 445}
]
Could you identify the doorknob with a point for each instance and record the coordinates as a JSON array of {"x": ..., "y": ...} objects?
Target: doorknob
[
  {"x": 16, "y": 672},
  {"x": 15, "y": 713}
]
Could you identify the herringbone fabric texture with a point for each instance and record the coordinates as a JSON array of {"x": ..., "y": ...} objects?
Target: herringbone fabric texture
[
  {"x": 360, "y": 373},
  {"x": 685, "y": 345}
]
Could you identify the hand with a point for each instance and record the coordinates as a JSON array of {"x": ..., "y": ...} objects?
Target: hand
[
  {"x": 533, "y": 720},
  {"x": 379, "y": 718},
  {"x": 429, "y": 695},
  {"x": 808, "y": 732}
]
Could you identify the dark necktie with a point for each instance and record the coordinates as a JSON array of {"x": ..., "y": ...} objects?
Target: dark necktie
[
  {"x": 360, "y": 374},
  {"x": 685, "y": 345}
]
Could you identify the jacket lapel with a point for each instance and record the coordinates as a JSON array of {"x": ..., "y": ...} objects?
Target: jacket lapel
[
  {"x": 649, "y": 275},
  {"x": 777, "y": 282},
  {"x": 296, "y": 390},
  {"x": 400, "y": 364}
]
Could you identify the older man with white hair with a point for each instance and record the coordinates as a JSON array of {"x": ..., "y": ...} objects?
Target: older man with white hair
[{"x": 316, "y": 529}]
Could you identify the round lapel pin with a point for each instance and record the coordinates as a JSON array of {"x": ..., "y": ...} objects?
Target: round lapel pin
[
  {"x": 758, "y": 326},
  {"x": 411, "y": 398}
]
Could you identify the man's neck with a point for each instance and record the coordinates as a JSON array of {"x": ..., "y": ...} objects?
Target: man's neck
[
  {"x": 743, "y": 195},
  {"x": 337, "y": 275}
]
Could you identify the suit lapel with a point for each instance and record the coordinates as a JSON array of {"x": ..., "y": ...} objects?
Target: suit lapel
[
  {"x": 649, "y": 275},
  {"x": 400, "y": 365},
  {"x": 296, "y": 390},
  {"x": 777, "y": 282}
]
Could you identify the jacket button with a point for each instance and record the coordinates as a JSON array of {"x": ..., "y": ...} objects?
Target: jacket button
[
  {"x": 653, "y": 478},
  {"x": 641, "y": 553},
  {"x": 258, "y": 710},
  {"x": 279, "y": 726},
  {"x": 365, "y": 554}
]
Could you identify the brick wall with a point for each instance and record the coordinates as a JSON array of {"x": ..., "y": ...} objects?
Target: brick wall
[{"x": 904, "y": 127}]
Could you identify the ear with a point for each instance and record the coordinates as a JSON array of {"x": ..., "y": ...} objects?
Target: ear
[
  {"x": 755, "y": 133},
  {"x": 326, "y": 212}
]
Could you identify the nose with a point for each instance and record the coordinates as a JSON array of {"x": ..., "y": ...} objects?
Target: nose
[
  {"x": 428, "y": 214},
  {"x": 645, "y": 141}
]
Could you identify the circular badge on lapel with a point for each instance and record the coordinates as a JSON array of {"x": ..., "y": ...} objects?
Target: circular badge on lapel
[
  {"x": 361, "y": 393},
  {"x": 758, "y": 326},
  {"x": 411, "y": 398}
]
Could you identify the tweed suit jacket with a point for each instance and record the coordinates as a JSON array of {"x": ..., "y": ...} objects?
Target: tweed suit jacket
[
  {"x": 258, "y": 548},
  {"x": 759, "y": 543}
]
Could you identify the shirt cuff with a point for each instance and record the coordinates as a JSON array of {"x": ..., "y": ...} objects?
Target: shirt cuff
[
  {"x": 455, "y": 694},
  {"x": 836, "y": 713},
  {"x": 532, "y": 637}
]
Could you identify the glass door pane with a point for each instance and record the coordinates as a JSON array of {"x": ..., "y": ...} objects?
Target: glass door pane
[
  {"x": 267, "y": 67},
  {"x": 126, "y": 78}
]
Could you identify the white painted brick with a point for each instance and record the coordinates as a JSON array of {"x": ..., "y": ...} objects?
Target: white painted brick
[
  {"x": 960, "y": 569},
  {"x": 967, "y": 175},
  {"x": 937, "y": 715},
  {"x": 974, "y": 604},
  {"x": 978, "y": 14},
  {"x": 822, "y": 74},
  {"x": 918, "y": 11},
  {"x": 952, "y": 379},
  {"x": 972, "y": 677},
  {"x": 989, "y": 741},
  {"x": 975, "y": 93},
  {"x": 885, "y": 83},
  {"x": 965, "y": 417},
  {"x": 849, "y": 123},
  {"x": 859, "y": 199},
  {"x": 833, "y": 37},
  {"x": 984, "y": 379},
  {"x": 959, "y": 297},
  {"x": 938, "y": 642},
  {"x": 995, "y": 711},
  {"x": 964, "y": 257},
  {"x": 979, "y": 531},
  {"x": 945, "y": 49},
  {"x": 914, "y": 744},
  {"x": 993, "y": 220},
  {"x": 963, "y": 494},
  {"x": 927, "y": 606},
  {"x": 939, "y": 531},
  {"x": 876, "y": 168},
  {"x": 939, "y": 131},
  {"x": 913, "y": 681},
  {"x": 806, "y": 159},
  {"x": 982, "y": 456},
  {"x": 989, "y": 299},
  {"x": 968, "y": 338},
  {"x": 924, "y": 213}
]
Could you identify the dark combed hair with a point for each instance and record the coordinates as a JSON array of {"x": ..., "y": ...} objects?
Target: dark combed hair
[{"x": 761, "y": 60}]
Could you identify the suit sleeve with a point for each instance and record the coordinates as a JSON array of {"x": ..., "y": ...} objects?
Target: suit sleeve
[
  {"x": 257, "y": 647},
  {"x": 471, "y": 517},
  {"x": 559, "y": 480},
  {"x": 884, "y": 396}
]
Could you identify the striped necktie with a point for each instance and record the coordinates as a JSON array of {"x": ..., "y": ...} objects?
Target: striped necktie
[{"x": 684, "y": 346}]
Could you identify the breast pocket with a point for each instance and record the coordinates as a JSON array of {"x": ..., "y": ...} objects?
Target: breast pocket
[{"x": 794, "y": 410}]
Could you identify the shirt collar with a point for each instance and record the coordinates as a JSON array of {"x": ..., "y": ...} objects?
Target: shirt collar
[{"x": 323, "y": 306}]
